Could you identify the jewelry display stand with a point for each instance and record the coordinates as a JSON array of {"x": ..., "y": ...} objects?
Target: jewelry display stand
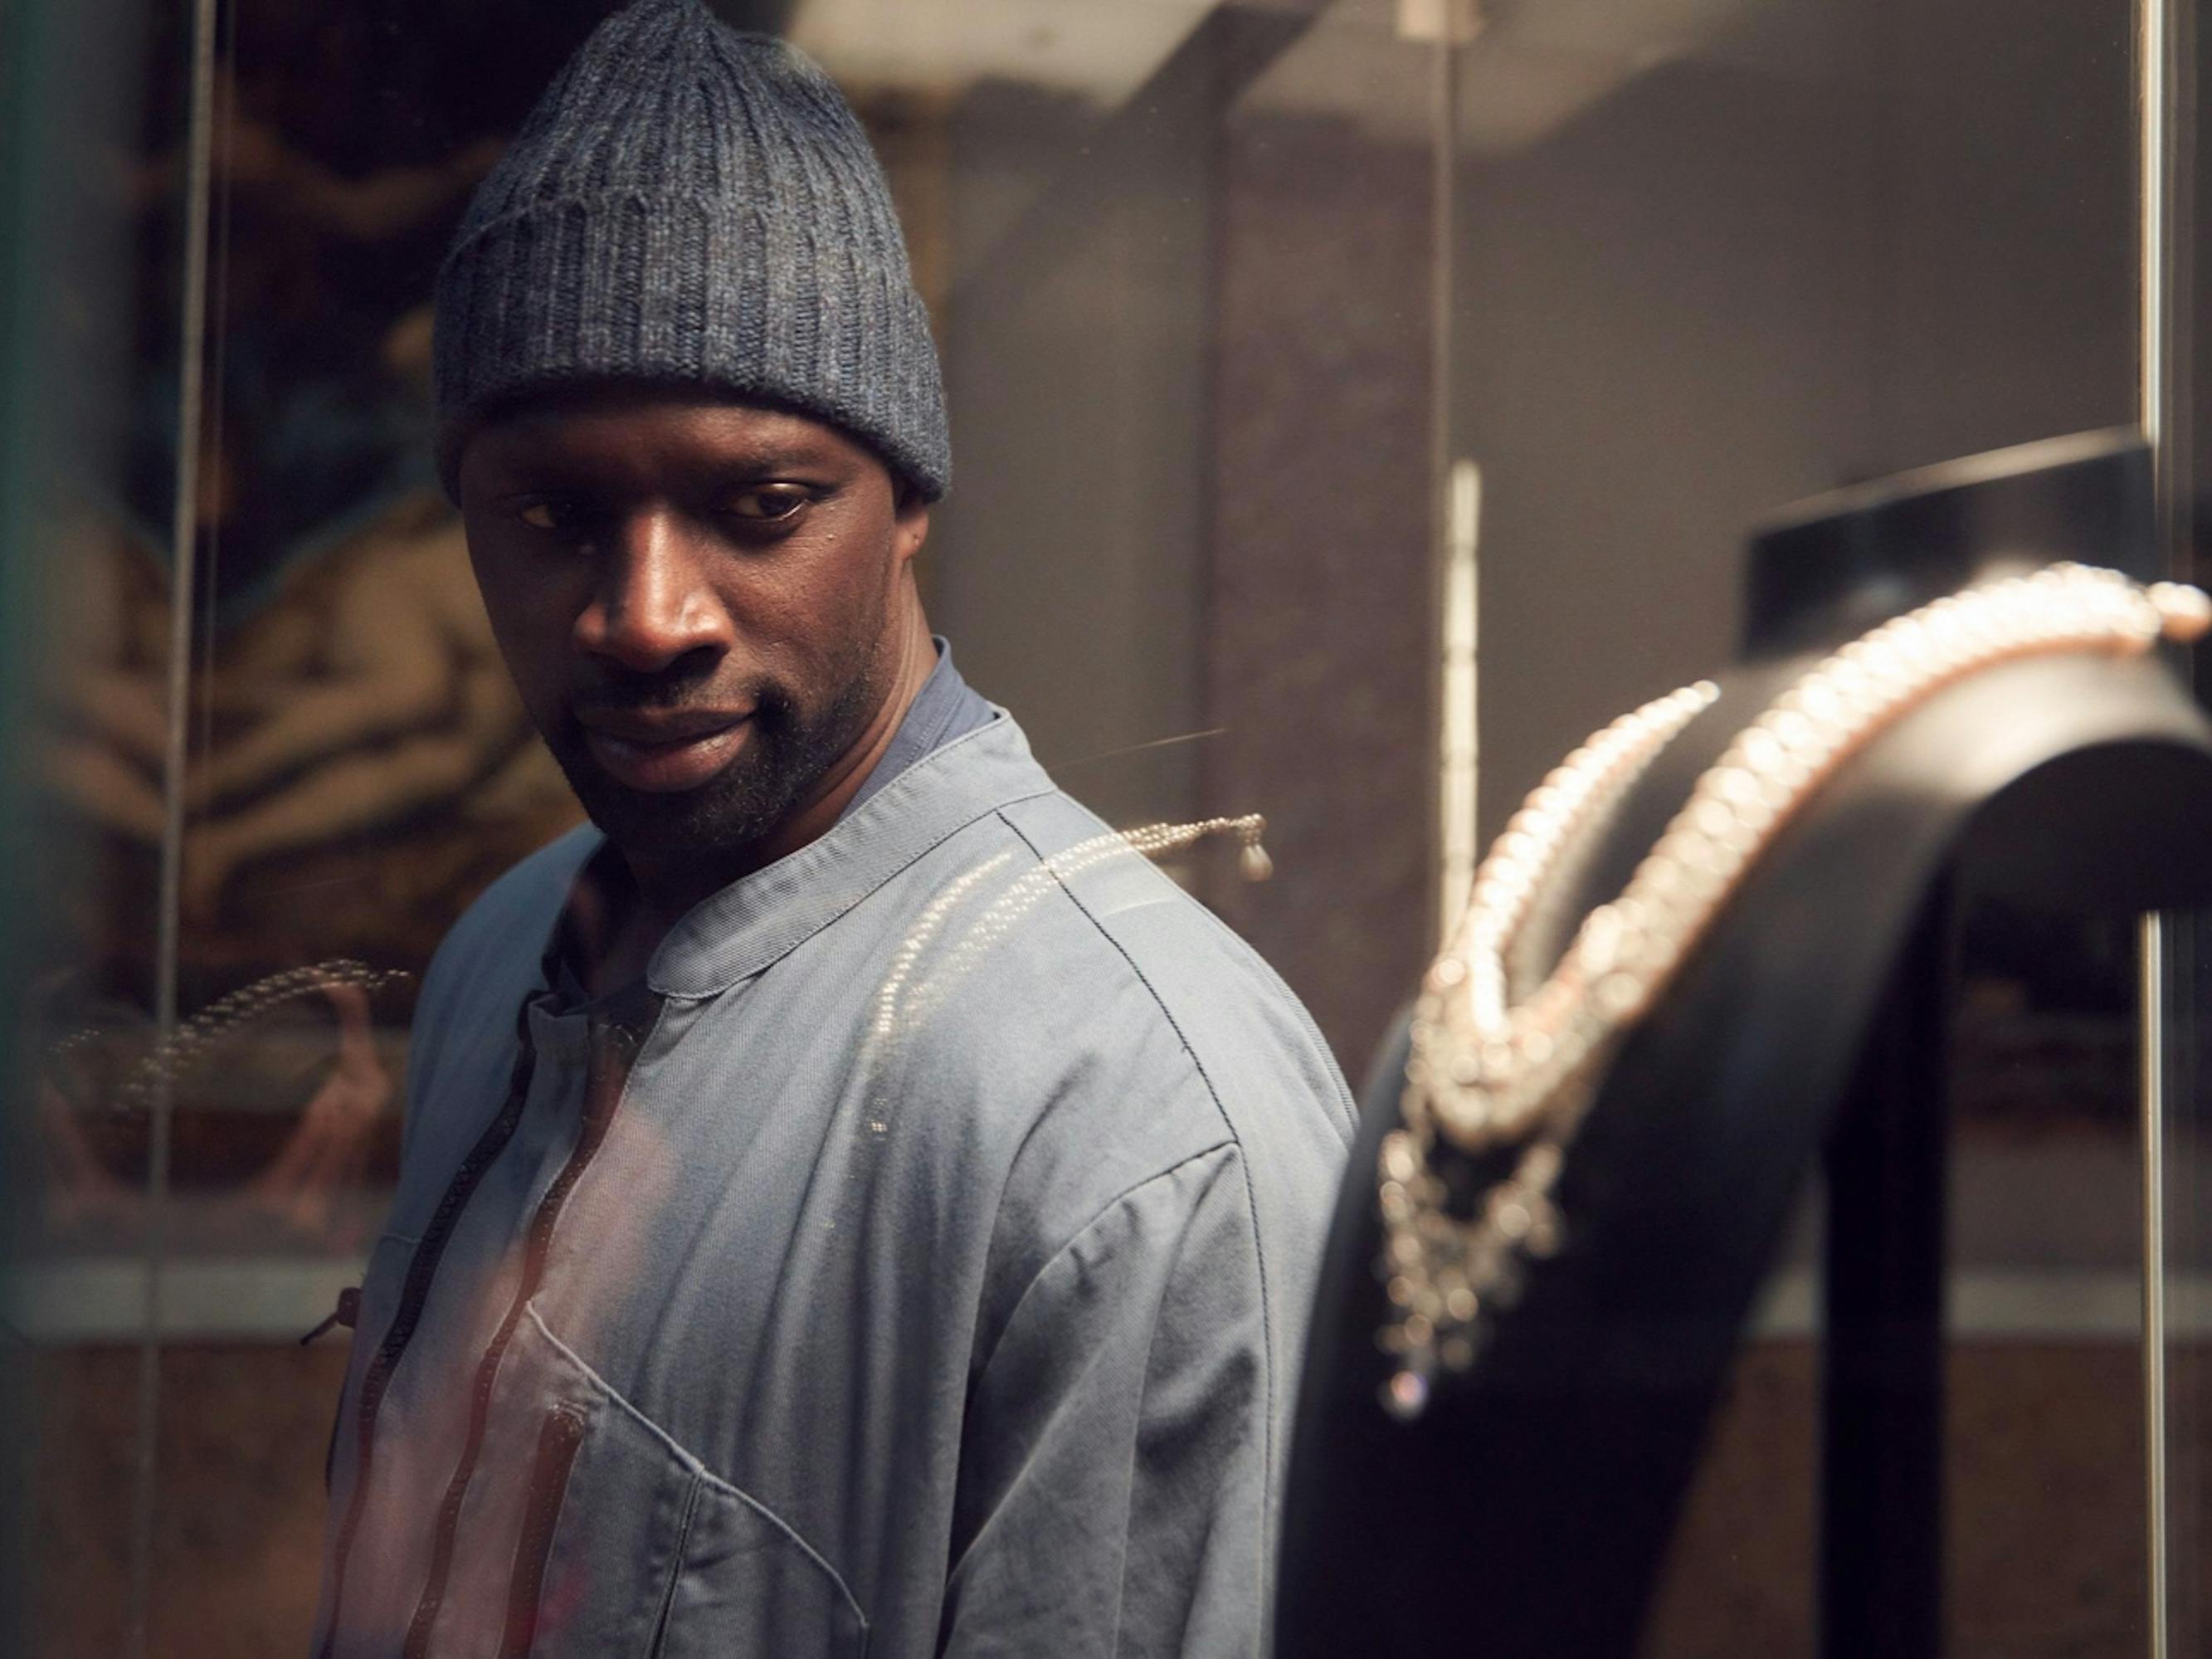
[{"x": 1525, "y": 1511}]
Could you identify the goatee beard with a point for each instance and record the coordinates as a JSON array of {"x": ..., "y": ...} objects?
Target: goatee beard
[{"x": 784, "y": 755}]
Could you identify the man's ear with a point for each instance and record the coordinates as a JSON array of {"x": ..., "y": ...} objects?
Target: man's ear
[{"x": 911, "y": 524}]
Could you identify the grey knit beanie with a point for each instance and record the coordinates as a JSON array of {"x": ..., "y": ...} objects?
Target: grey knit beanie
[{"x": 692, "y": 204}]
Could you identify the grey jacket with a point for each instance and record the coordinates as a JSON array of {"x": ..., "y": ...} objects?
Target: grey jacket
[{"x": 933, "y": 1283}]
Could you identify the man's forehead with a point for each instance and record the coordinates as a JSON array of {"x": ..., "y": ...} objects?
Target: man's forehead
[{"x": 622, "y": 424}]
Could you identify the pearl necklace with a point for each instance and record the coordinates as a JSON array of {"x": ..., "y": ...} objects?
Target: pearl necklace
[{"x": 1489, "y": 1075}]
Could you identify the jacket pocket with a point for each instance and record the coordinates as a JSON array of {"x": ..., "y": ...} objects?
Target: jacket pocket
[
  {"x": 621, "y": 1542},
  {"x": 548, "y": 1483},
  {"x": 745, "y": 1583}
]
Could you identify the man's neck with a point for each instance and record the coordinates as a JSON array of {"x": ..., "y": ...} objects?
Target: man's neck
[{"x": 660, "y": 893}]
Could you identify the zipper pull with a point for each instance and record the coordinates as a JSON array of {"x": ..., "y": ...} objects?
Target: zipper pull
[{"x": 347, "y": 1313}]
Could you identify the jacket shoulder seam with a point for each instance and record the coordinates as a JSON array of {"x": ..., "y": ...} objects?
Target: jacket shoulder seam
[
  {"x": 1091, "y": 1225},
  {"x": 1228, "y": 1125}
]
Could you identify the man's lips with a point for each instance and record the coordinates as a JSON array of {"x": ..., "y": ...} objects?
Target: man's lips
[{"x": 663, "y": 753}]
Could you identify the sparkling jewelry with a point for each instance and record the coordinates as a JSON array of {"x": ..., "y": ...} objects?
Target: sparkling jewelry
[
  {"x": 193, "y": 1039},
  {"x": 902, "y": 1001},
  {"x": 1491, "y": 1078}
]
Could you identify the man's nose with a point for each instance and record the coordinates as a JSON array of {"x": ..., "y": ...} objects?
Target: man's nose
[{"x": 652, "y": 604}]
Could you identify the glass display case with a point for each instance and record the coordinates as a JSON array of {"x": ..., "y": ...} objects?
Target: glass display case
[{"x": 1356, "y": 402}]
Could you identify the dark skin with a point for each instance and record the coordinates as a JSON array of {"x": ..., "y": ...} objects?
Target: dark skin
[{"x": 709, "y": 609}]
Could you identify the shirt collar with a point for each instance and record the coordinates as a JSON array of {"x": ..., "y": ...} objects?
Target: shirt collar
[
  {"x": 943, "y": 710},
  {"x": 738, "y": 931}
]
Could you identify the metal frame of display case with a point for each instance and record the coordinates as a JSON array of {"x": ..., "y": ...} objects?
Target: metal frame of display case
[{"x": 2166, "y": 64}]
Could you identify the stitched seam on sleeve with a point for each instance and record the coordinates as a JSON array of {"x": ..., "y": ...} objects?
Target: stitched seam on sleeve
[
  {"x": 1251, "y": 1199},
  {"x": 1145, "y": 1393},
  {"x": 1110, "y": 1209},
  {"x": 1097, "y": 1218},
  {"x": 1346, "y": 1102}
]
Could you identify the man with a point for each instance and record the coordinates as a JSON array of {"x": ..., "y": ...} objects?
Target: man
[{"x": 851, "y": 1201}]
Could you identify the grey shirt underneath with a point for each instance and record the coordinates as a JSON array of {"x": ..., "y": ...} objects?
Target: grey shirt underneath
[{"x": 924, "y": 1272}]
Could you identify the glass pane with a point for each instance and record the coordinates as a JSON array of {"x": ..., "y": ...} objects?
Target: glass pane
[
  {"x": 96, "y": 213},
  {"x": 1697, "y": 259},
  {"x": 1186, "y": 341},
  {"x": 2188, "y": 1067},
  {"x": 1711, "y": 258},
  {"x": 1178, "y": 255}
]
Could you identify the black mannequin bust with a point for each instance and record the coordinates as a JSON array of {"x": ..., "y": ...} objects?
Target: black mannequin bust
[{"x": 1525, "y": 1511}]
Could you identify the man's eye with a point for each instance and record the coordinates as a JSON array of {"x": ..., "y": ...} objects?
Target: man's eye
[
  {"x": 769, "y": 502},
  {"x": 552, "y": 517}
]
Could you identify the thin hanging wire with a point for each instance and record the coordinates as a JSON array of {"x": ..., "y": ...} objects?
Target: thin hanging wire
[
  {"x": 1443, "y": 179},
  {"x": 2152, "y": 941},
  {"x": 184, "y": 584}
]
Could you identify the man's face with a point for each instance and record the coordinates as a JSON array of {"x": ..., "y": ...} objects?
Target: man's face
[{"x": 696, "y": 597}]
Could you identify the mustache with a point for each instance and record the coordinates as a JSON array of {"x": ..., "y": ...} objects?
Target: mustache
[{"x": 670, "y": 693}]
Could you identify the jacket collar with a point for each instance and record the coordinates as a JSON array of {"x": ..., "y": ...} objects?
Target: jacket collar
[{"x": 754, "y": 921}]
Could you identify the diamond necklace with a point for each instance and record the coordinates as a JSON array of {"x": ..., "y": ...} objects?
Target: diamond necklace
[{"x": 1490, "y": 1076}]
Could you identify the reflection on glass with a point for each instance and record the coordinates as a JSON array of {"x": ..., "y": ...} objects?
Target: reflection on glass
[
  {"x": 1706, "y": 256},
  {"x": 1711, "y": 258},
  {"x": 1158, "y": 241}
]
